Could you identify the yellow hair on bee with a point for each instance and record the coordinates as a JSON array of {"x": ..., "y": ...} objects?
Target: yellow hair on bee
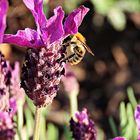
[{"x": 80, "y": 37}]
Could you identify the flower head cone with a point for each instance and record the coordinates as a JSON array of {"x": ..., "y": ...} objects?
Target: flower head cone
[
  {"x": 83, "y": 128},
  {"x": 41, "y": 73}
]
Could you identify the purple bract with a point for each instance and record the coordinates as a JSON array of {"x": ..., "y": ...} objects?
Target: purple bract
[{"x": 49, "y": 30}]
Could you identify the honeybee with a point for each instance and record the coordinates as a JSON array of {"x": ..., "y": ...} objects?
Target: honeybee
[{"x": 77, "y": 48}]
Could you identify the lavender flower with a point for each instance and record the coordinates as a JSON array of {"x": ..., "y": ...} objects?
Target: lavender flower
[
  {"x": 4, "y": 72},
  {"x": 15, "y": 90},
  {"x": 7, "y": 128},
  {"x": 83, "y": 128},
  {"x": 3, "y": 11},
  {"x": 119, "y": 138},
  {"x": 41, "y": 72},
  {"x": 137, "y": 119},
  {"x": 5, "y": 76},
  {"x": 10, "y": 92},
  {"x": 70, "y": 82},
  {"x": 9, "y": 83}
]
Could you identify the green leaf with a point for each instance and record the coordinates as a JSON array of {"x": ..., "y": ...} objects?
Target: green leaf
[
  {"x": 103, "y": 6},
  {"x": 131, "y": 123},
  {"x": 30, "y": 104},
  {"x": 52, "y": 133},
  {"x": 123, "y": 117},
  {"x": 29, "y": 121},
  {"x": 67, "y": 133},
  {"x": 117, "y": 18},
  {"x": 113, "y": 126},
  {"x": 131, "y": 97},
  {"x": 129, "y": 5}
]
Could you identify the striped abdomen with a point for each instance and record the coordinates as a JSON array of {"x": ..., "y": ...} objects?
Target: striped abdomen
[{"x": 77, "y": 56}]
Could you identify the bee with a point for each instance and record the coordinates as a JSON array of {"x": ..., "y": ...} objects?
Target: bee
[{"x": 77, "y": 48}]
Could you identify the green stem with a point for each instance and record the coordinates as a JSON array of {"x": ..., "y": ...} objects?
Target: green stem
[
  {"x": 113, "y": 126},
  {"x": 20, "y": 118},
  {"x": 73, "y": 104},
  {"x": 43, "y": 127},
  {"x": 37, "y": 124}
]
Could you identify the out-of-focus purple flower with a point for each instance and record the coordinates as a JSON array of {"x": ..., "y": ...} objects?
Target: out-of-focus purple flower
[
  {"x": 3, "y": 11},
  {"x": 4, "y": 83},
  {"x": 70, "y": 82},
  {"x": 9, "y": 92},
  {"x": 119, "y": 138},
  {"x": 15, "y": 90},
  {"x": 9, "y": 83},
  {"x": 83, "y": 128},
  {"x": 138, "y": 137},
  {"x": 41, "y": 71},
  {"x": 7, "y": 128},
  {"x": 137, "y": 119}
]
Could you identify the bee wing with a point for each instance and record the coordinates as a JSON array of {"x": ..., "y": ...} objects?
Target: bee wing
[{"x": 88, "y": 49}]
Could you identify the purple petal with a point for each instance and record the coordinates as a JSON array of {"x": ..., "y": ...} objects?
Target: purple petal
[
  {"x": 119, "y": 138},
  {"x": 3, "y": 11},
  {"x": 54, "y": 27},
  {"x": 138, "y": 137},
  {"x": 82, "y": 116},
  {"x": 137, "y": 117},
  {"x": 74, "y": 20},
  {"x": 36, "y": 7},
  {"x": 25, "y": 38}
]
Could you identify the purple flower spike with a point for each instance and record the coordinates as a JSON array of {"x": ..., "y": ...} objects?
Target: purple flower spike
[
  {"x": 42, "y": 72},
  {"x": 119, "y": 138},
  {"x": 3, "y": 11},
  {"x": 137, "y": 117},
  {"x": 15, "y": 90},
  {"x": 7, "y": 128},
  {"x": 83, "y": 128},
  {"x": 5, "y": 76},
  {"x": 9, "y": 85}
]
